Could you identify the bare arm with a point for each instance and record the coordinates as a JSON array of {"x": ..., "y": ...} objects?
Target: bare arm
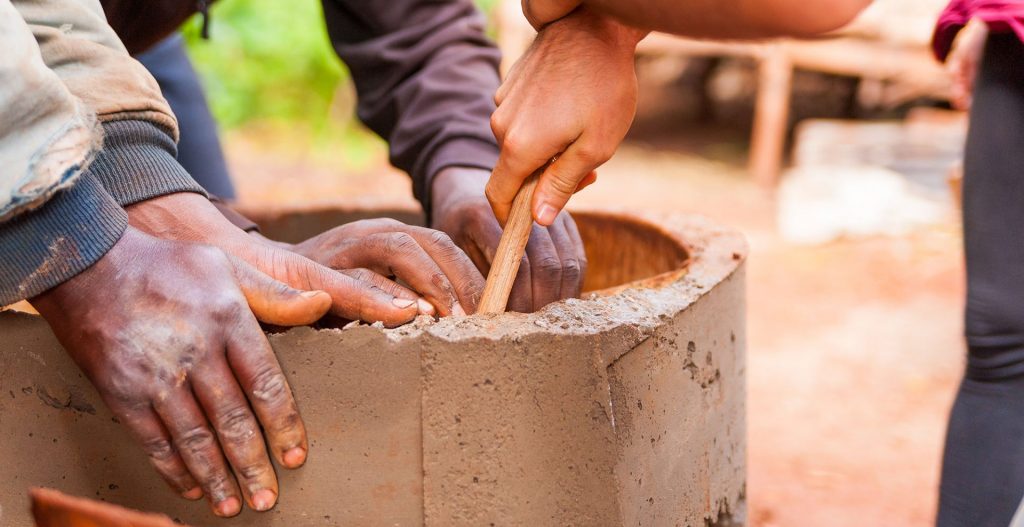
[{"x": 719, "y": 19}]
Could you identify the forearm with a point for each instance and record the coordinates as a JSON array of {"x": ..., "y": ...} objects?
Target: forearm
[
  {"x": 732, "y": 19},
  {"x": 426, "y": 76}
]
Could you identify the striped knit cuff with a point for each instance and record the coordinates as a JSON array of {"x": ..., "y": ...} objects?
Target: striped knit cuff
[
  {"x": 138, "y": 162},
  {"x": 52, "y": 244}
]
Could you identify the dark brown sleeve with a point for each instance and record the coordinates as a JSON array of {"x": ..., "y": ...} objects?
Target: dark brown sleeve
[{"x": 426, "y": 75}]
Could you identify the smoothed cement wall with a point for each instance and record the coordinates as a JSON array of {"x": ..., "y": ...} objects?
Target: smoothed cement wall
[{"x": 621, "y": 409}]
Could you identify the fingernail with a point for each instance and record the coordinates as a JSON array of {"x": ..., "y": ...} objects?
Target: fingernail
[
  {"x": 457, "y": 310},
  {"x": 546, "y": 214},
  {"x": 193, "y": 494},
  {"x": 228, "y": 507},
  {"x": 402, "y": 303},
  {"x": 426, "y": 308},
  {"x": 264, "y": 499},
  {"x": 294, "y": 457},
  {"x": 310, "y": 294}
]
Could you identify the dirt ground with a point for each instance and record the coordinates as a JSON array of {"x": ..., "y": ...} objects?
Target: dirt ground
[{"x": 854, "y": 347}]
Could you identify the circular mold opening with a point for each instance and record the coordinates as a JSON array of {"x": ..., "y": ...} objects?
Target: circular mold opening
[{"x": 622, "y": 251}]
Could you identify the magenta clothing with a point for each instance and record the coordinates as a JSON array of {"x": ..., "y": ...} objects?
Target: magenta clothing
[{"x": 1002, "y": 16}]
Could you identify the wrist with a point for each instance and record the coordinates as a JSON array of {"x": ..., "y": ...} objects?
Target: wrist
[
  {"x": 608, "y": 30},
  {"x": 165, "y": 217},
  {"x": 453, "y": 184}
]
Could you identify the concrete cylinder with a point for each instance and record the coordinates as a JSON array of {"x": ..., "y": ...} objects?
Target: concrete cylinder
[{"x": 623, "y": 408}]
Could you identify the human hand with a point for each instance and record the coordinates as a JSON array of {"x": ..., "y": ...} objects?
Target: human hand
[
  {"x": 427, "y": 260},
  {"x": 543, "y": 12},
  {"x": 572, "y": 96},
  {"x": 555, "y": 262},
  {"x": 191, "y": 217},
  {"x": 166, "y": 332},
  {"x": 965, "y": 60}
]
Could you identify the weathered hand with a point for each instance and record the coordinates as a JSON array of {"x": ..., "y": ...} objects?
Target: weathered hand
[
  {"x": 191, "y": 217},
  {"x": 165, "y": 331},
  {"x": 555, "y": 262},
  {"x": 424, "y": 259},
  {"x": 571, "y": 96},
  {"x": 543, "y": 12}
]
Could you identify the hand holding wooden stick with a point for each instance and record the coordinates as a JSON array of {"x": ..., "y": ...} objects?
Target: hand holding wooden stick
[{"x": 509, "y": 255}]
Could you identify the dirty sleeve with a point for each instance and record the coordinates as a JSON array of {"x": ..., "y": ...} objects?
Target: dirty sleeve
[
  {"x": 55, "y": 220},
  {"x": 138, "y": 160},
  {"x": 425, "y": 75}
]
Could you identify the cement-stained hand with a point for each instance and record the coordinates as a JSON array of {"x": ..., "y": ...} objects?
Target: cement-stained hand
[{"x": 166, "y": 332}]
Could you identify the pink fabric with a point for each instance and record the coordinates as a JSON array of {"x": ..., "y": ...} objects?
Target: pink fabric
[{"x": 1002, "y": 16}]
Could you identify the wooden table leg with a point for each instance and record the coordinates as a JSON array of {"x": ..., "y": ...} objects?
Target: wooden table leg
[{"x": 771, "y": 117}]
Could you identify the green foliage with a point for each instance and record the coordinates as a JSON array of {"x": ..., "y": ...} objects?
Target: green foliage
[
  {"x": 267, "y": 60},
  {"x": 270, "y": 62}
]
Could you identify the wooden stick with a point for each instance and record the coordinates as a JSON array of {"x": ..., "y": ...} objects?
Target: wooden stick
[{"x": 505, "y": 266}]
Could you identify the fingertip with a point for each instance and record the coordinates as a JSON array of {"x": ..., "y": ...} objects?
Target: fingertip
[
  {"x": 264, "y": 500},
  {"x": 426, "y": 308},
  {"x": 294, "y": 457},
  {"x": 193, "y": 495},
  {"x": 319, "y": 303},
  {"x": 228, "y": 507},
  {"x": 545, "y": 213}
]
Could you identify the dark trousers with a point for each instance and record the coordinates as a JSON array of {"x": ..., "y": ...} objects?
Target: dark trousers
[
  {"x": 199, "y": 149},
  {"x": 983, "y": 465}
]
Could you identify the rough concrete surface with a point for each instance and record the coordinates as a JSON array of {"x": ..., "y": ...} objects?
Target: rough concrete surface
[{"x": 620, "y": 409}]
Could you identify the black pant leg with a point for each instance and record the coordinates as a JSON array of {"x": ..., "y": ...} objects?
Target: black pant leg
[
  {"x": 199, "y": 149},
  {"x": 983, "y": 464}
]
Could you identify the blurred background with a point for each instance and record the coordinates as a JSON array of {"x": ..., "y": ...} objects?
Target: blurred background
[{"x": 837, "y": 158}]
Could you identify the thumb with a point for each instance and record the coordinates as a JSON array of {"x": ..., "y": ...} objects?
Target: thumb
[
  {"x": 571, "y": 172},
  {"x": 276, "y": 303}
]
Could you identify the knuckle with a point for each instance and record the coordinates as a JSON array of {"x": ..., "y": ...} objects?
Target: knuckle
[
  {"x": 225, "y": 305},
  {"x": 441, "y": 239},
  {"x": 563, "y": 183},
  {"x": 516, "y": 143},
  {"x": 158, "y": 449},
  {"x": 254, "y": 472},
  {"x": 592, "y": 154},
  {"x": 549, "y": 268},
  {"x": 237, "y": 425},
  {"x": 400, "y": 243},
  {"x": 384, "y": 223},
  {"x": 571, "y": 269},
  {"x": 269, "y": 385},
  {"x": 498, "y": 125},
  {"x": 196, "y": 440}
]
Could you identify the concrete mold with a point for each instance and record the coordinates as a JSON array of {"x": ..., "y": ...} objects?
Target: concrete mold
[{"x": 624, "y": 408}]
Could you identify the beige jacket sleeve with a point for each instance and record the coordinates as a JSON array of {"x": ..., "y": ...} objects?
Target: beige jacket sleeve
[
  {"x": 138, "y": 160},
  {"x": 81, "y": 48},
  {"x": 47, "y": 137},
  {"x": 84, "y": 131}
]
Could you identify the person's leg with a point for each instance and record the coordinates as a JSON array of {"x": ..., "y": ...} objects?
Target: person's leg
[
  {"x": 983, "y": 466},
  {"x": 199, "y": 149}
]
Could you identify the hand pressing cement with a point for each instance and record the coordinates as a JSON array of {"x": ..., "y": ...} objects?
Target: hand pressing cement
[
  {"x": 555, "y": 262},
  {"x": 424, "y": 259},
  {"x": 191, "y": 217},
  {"x": 166, "y": 332}
]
